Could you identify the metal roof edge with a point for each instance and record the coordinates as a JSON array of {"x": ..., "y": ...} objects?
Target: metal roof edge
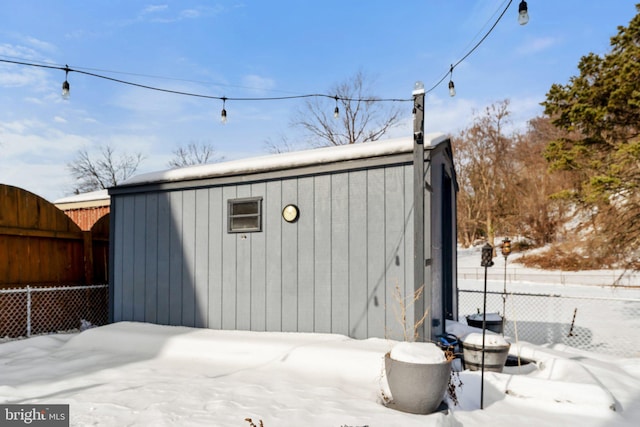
[{"x": 290, "y": 160}]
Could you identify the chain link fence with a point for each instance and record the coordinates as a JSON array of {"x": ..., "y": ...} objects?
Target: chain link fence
[
  {"x": 39, "y": 310},
  {"x": 603, "y": 325},
  {"x": 619, "y": 278}
]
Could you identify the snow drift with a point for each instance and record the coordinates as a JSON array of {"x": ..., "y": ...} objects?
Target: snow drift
[{"x": 142, "y": 374}]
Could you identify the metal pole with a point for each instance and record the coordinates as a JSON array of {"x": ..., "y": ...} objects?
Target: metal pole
[
  {"x": 484, "y": 328},
  {"x": 506, "y": 250},
  {"x": 504, "y": 295},
  {"x": 418, "y": 214},
  {"x": 487, "y": 261},
  {"x": 28, "y": 312}
]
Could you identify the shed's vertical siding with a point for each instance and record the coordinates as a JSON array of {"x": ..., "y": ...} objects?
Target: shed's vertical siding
[
  {"x": 322, "y": 267},
  {"x": 228, "y": 302},
  {"x": 151, "y": 249},
  {"x": 162, "y": 263},
  {"x": 139, "y": 244},
  {"x": 201, "y": 258},
  {"x": 398, "y": 251},
  {"x": 128, "y": 258},
  {"x": 187, "y": 280},
  {"x": 358, "y": 213},
  {"x": 215, "y": 235},
  {"x": 306, "y": 254},
  {"x": 258, "y": 269},
  {"x": 377, "y": 261},
  {"x": 243, "y": 270},
  {"x": 289, "y": 262},
  {"x": 176, "y": 260},
  {"x": 334, "y": 270},
  {"x": 340, "y": 254},
  {"x": 273, "y": 257}
]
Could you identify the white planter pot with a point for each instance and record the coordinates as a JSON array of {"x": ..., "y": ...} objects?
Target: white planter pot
[{"x": 416, "y": 387}]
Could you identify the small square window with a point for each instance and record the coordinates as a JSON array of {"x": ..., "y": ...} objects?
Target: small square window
[{"x": 244, "y": 215}]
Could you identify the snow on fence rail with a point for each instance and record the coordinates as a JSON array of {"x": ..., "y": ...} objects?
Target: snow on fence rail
[
  {"x": 36, "y": 310},
  {"x": 600, "y": 278},
  {"x": 598, "y": 324}
]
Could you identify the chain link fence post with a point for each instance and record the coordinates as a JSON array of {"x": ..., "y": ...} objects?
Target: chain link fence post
[{"x": 28, "y": 311}]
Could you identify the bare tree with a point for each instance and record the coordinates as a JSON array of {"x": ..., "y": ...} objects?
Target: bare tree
[
  {"x": 483, "y": 154},
  {"x": 107, "y": 170},
  {"x": 504, "y": 180},
  {"x": 282, "y": 145},
  {"x": 194, "y": 154},
  {"x": 539, "y": 215},
  {"x": 361, "y": 118}
]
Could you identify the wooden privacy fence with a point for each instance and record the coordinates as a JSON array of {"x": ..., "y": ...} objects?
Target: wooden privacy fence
[{"x": 41, "y": 246}]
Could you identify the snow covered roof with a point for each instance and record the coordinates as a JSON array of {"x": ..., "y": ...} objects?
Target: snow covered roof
[
  {"x": 285, "y": 160},
  {"x": 92, "y": 198}
]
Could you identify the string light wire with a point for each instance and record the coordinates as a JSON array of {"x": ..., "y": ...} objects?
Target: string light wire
[
  {"x": 85, "y": 71},
  {"x": 482, "y": 29},
  {"x": 472, "y": 49},
  {"x": 199, "y": 95}
]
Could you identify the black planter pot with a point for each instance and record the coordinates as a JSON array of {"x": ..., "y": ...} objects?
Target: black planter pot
[{"x": 475, "y": 320}]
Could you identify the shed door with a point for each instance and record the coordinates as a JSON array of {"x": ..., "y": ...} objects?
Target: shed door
[{"x": 447, "y": 245}]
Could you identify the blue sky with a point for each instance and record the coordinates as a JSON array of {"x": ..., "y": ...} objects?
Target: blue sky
[{"x": 257, "y": 48}]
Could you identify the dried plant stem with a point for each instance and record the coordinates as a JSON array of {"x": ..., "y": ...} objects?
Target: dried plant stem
[{"x": 411, "y": 333}]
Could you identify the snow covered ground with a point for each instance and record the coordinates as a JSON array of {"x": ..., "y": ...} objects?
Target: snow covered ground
[
  {"x": 140, "y": 374},
  {"x": 147, "y": 375},
  {"x": 524, "y": 279}
]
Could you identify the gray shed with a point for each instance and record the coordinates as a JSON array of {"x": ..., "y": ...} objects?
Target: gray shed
[{"x": 310, "y": 241}]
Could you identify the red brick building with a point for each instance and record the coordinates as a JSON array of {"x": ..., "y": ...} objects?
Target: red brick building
[{"x": 85, "y": 209}]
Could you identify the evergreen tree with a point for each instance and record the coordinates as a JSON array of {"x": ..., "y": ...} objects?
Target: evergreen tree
[{"x": 601, "y": 107}]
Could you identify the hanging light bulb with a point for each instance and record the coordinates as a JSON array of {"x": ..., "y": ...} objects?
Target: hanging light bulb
[
  {"x": 336, "y": 111},
  {"x": 223, "y": 114},
  {"x": 65, "y": 90},
  {"x": 418, "y": 88},
  {"x": 523, "y": 14},
  {"x": 452, "y": 87},
  {"x": 65, "y": 85}
]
